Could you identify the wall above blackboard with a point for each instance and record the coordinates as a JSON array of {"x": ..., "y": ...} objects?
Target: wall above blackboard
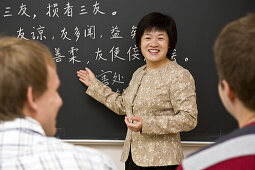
[{"x": 100, "y": 35}]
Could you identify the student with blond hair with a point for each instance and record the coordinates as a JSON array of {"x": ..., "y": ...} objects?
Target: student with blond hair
[{"x": 29, "y": 104}]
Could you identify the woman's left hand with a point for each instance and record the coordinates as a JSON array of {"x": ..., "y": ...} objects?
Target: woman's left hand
[{"x": 136, "y": 126}]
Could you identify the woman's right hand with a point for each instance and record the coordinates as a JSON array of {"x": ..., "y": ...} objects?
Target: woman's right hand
[{"x": 86, "y": 76}]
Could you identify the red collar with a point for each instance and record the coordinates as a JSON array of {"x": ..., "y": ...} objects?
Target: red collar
[{"x": 250, "y": 124}]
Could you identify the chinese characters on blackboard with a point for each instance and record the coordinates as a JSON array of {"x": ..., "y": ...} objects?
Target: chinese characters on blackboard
[{"x": 75, "y": 33}]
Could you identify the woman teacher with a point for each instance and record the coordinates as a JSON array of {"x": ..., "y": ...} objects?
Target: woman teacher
[{"x": 159, "y": 103}]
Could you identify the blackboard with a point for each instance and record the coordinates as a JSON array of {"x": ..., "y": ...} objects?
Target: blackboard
[{"x": 100, "y": 35}]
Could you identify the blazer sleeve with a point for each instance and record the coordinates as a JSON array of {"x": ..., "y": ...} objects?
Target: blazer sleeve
[
  {"x": 106, "y": 96},
  {"x": 183, "y": 99}
]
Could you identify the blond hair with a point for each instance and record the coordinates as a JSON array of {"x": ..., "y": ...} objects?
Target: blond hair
[{"x": 23, "y": 63}]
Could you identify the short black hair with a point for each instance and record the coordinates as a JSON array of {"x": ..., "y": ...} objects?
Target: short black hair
[{"x": 160, "y": 22}]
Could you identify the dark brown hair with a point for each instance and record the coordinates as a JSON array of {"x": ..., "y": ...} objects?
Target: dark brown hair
[{"x": 234, "y": 52}]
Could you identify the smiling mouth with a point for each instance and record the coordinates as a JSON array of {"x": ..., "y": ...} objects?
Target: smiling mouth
[{"x": 153, "y": 51}]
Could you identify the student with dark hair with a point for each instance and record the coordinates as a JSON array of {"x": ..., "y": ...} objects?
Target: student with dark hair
[
  {"x": 159, "y": 103},
  {"x": 234, "y": 52},
  {"x": 29, "y": 104}
]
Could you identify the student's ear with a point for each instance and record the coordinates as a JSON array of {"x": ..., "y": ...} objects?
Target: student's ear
[
  {"x": 230, "y": 94},
  {"x": 31, "y": 105}
]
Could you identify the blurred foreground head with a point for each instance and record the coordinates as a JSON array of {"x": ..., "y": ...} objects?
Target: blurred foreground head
[
  {"x": 23, "y": 63},
  {"x": 234, "y": 52}
]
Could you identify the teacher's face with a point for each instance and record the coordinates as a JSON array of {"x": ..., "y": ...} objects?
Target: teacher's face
[{"x": 154, "y": 46}]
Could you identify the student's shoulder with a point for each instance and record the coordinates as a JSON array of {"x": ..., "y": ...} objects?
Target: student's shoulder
[
  {"x": 65, "y": 146},
  {"x": 64, "y": 149},
  {"x": 227, "y": 147}
]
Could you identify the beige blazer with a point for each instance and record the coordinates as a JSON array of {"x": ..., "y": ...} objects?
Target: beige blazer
[{"x": 165, "y": 98}]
